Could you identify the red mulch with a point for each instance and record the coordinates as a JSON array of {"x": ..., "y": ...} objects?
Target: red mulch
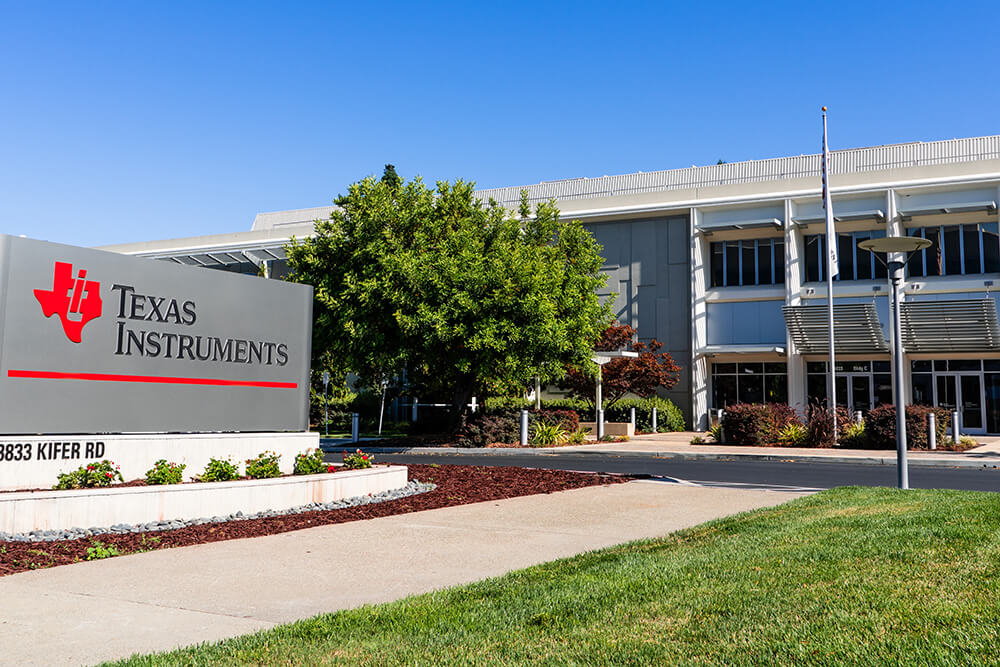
[{"x": 456, "y": 485}]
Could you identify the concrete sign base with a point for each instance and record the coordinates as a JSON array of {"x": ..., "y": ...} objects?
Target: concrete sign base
[{"x": 35, "y": 462}]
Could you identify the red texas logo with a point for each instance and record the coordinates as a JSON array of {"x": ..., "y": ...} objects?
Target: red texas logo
[{"x": 75, "y": 301}]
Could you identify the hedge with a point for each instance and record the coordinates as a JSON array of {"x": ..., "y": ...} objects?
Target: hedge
[
  {"x": 880, "y": 426},
  {"x": 668, "y": 416},
  {"x": 757, "y": 424}
]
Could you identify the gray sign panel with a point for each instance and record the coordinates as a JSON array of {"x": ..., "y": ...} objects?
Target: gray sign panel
[{"x": 97, "y": 342}]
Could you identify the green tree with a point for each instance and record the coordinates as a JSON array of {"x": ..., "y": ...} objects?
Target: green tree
[{"x": 465, "y": 297}]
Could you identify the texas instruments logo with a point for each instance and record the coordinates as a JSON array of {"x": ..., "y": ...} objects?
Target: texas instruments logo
[{"x": 75, "y": 300}]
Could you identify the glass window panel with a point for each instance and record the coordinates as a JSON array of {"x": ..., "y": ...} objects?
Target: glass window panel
[
  {"x": 749, "y": 274},
  {"x": 813, "y": 253},
  {"x": 724, "y": 368},
  {"x": 934, "y": 266},
  {"x": 992, "y": 402},
  {"x": 732, "y": 262},
  {"x": 779, "y": 262},
  {"x": 920, "y": 366},
  {"x": 972, "y": 401},
  {"x": 882, "y": 366},
  {"x": 973, "y": 256},
  {"x": 845, "y": 256},
  {"x": 724, "y": 390},
  {"x": 718, "y": 268},
  {"x": 751, "y": 388},
  {"x": 916, "y": 265},
  {"x": 940, "y": 365},
  {"x": 853, "y": 367},
  {"x": 776, "y": 388},
  {"x": 883, "y": 388},
  {"x": 863, "y": 270},
  {"x": 878, "y": 267},
  {"x": 952, "y": 242},
  {"x": 816, "y": 389},
  {"x": 776, "y": 368},
  {"x": 764, "y": 262},
  {"x": 746, "y": 369},
  {"x": 991, "y": 364},
  {"x": 991, "y": 248},
  {"x": 816, "y": 366},
  {"x": 964, "y": 365},
  {"x": 923, "y": 388}
]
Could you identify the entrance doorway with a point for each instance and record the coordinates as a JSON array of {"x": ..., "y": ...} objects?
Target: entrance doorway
[
  {"x": 962, "y": 392},
  {"x": 854, "y": 391}
]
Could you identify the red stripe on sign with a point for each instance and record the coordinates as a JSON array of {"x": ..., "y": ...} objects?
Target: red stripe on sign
[{"x": 153, "y": 379}]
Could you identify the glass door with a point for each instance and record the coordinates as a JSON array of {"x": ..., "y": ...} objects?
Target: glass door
[
  {"x": 965, "y": 394},
  {"x": 861, "y": 393}
]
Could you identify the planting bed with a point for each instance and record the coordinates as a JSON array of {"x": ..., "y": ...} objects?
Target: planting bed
[{"x": 456, "y": 485}]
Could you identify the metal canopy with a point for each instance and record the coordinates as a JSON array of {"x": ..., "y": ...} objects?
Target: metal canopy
[
  {"x": 856, "y": 328},
  {"x": 989, "y": 206},
  {"x": 950, "y": 326},
  {"x": 224, "y": 257},
  {"x": 875, "y": 214},
  {"x": 714, "y": 350},
  {"x": 773, "y": 223}
]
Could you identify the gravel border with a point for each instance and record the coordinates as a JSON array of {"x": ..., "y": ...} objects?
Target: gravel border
[{"x": 412, "y": 488}]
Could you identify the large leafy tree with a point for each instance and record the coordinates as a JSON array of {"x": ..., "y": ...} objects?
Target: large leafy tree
[
  {"x": 463, "y": 296},
  {"x": 641, "y": 375}
]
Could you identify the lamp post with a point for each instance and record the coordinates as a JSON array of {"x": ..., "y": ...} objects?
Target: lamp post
[
  {"x": 896, "y": 245},
  {"x": 601, "y": 358}
]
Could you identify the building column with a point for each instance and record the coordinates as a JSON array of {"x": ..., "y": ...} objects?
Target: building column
[
  {"x": 699, "y": 329},
  {"x": 797, "y": 397}
]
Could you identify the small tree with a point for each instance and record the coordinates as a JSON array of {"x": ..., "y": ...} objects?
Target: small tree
[
  {"x": 457, "y": 293},
  {"x": 641, "y": 376}
]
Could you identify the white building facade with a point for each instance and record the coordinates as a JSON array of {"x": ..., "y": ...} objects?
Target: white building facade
[{"x": 722, "y": 264}]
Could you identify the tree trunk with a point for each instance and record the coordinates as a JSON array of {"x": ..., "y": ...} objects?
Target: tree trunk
[{"x": 460, "y": 399}]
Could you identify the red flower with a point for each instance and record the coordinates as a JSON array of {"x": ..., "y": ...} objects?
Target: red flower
[{"x": 331, "y": 468}]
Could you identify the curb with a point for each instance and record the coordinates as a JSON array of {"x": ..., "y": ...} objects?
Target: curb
[{"x": 676, "y": 456}]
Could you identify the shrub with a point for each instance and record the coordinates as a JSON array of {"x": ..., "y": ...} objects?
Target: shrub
[
  {"x": 881, "y": 426},
  {"x": 854, "y": 436},
  {"x": 358, "y": 460},
  {"x": 218, "y": 470},
  {"x": 668, "y": 416},
  {"x": 577, "y": 437},
  {"x": 91, "y": 475},
  {"x": 567, "y": 420},
  {"x": 793, "y": 435},
  {"x": 482, "y": 429},
  {"x": 263, "y": 466},
  {"x": 715, "y": 433},
  {"x": 309, "y": 462},
  {"x": 163, "y": 472},
  {"x": 757, "y": 424},
  {"x": 820, "y": 424},
  {"x": 547, "y": 435},
  {"x": 697, "y": 440}
]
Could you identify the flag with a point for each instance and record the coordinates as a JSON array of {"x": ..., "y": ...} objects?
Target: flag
[{"x": 833, "y": 266}]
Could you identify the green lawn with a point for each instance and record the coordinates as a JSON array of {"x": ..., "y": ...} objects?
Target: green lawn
[{"x": 849, "y": 575}]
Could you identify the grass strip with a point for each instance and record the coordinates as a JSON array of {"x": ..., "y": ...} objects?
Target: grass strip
[{"x": 847, "y": 576}]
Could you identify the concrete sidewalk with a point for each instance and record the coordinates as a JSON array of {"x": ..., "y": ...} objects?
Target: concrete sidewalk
[
  {"x": 100, "y": 610},
  {"x": 678, "y": 446}
]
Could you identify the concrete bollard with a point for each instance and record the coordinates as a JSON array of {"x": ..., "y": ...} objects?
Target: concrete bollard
[
  {"x": 931, "y": 430},
  {"x": 413, "y": 410},
  {"x": 858, "y": 417},
  {"x": 524, "y": 428},
  {"x": 474, "y": 406},
  {"x": 654, "y": 421},
  {"x": 955, "y": 426},
  {"x": 355, "y": 428},
  {"x": 600, "y": 424},
  {"x": 631, "y": 416},
  {"x": 722, "y": 433}
]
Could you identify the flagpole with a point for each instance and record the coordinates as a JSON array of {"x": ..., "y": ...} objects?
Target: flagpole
[{"x": 832, "y": 268}]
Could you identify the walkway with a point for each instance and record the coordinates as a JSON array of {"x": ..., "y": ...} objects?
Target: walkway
[{"x": 100, "y": 610}]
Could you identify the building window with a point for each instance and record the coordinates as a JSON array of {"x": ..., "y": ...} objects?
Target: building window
[
  {"x": 749, "y": 383},
  {"x": 957, "y": 250},
  {"x": 855, "y": 263},
  {"x": 748, "y": 262}
]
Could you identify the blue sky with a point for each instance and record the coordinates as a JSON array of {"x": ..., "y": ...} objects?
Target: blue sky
[{"x": 136, "y": 121}]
